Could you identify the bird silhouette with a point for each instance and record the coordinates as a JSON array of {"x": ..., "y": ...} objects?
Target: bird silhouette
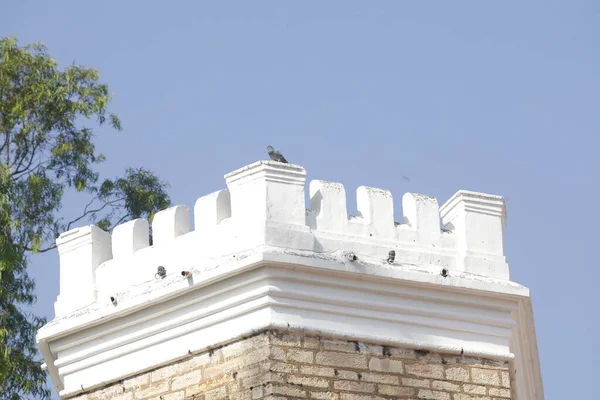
[{"x": 276, "y": 155}]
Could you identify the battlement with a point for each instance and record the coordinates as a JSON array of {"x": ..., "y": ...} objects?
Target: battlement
[{"x": 264, "y": 205}]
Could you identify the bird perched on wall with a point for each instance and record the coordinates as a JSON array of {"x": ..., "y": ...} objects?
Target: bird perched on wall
[
  {"x": 276, "y": 155},
  {"x": 391, "y": 256}
]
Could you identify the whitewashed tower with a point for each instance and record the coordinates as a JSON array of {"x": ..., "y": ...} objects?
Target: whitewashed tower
[{"x": 266, "y": 299}]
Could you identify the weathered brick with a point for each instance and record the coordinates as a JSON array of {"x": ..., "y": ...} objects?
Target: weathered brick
[
  {"x": 499, "y": 392},
  {"x": 352, "y": 386},
  {"x": 396, "y": 390},
  {"x": 461, "y": 396},
  {"x": 385, "y": 365},
  {"x": 238, "y": 348},
  {"x": 155, "y": 388},
  {"x": 286, "y": 339},
  {"x": 293, "y": 368},
  {"x": 165, "y": 372},
  {"x": 421, "y": 383},
  {"x": 349, "y": 375},
  {"x": 215, "y": 394},
  {"x": 207, "y": 385},
  {"x": 171, "y": 396},
  {"x": 286, "y": 390},
  {"x": 449, "y": 360},
  {"x": 321, "y": 371},
  {"x": 395, "y": 352},
  {"x": 233, "y": 387},
  {"x": 247, "y": 372},
  {"x": 137, "y": 382},
  {"x": 200, "y": 361},
  {"x": 485, "y": 376},
  {"x": 185, "y": 380},
  {"x": 245, "y": 395},
  {"x": 457, "y": 374},
  {"x": 324, "y": 395},
  {"x": 257, "y": 392},
  {"x": 430, "y": 358},
  {"x": 443, "y": 385},
  {"x": 116, "y": 396},
  {"x": 234, "y": 364},
  {"x": 341, "y": 345},
  {"x": 425, "y": 370},
  {"x": 432, "y": 395},
  {"x": 472, "y": 361},
  {"x": 354, "y": 396},
  {"x": 249, "y": 383},
  {"x": 283, "y": 367},
  {"x": 301, "y": 356},
  {"x": 311, "y": 342},
  {"x": 310, "y": 381},
  {"x": 109, "y": 391},
  {"x": 277, "y": 353},
  {"x": 380, "y": 378},
  {"x": 371, "y": 349},
  {"x": 505, "y": 379},
  {"x": 495, "y": 363},
  {"x": 342, "y": 359},
  {"x": 473, "y": 389}
]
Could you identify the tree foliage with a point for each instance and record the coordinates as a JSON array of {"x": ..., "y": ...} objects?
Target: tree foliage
[{"x": 47, "y": 149}]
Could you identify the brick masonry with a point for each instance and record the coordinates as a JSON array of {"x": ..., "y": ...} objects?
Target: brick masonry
[{"x": 276, "y": 366}]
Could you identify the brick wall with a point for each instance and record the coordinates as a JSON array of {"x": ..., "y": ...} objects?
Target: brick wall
[{"x": 278, "y": 366}]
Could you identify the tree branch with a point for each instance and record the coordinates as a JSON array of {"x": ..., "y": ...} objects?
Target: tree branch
[
  {"x": 41, "y": 250},
  {"x": 88, "y": 212},
  {"x": 7, "y": 145},
  {"x": 121, "y": 220},
  {"x": 18, "y": 171}
]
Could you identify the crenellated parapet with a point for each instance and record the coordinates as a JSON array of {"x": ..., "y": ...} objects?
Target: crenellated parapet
[
  {"x": 264, "y": 205},
  {"x": 254, "y": 257}
]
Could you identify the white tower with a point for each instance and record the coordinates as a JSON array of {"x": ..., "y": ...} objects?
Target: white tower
[{"x": 266, "y": 299}]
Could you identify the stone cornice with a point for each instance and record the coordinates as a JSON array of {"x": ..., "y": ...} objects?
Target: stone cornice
[
  {"x": 270, "y": 288},
  {"x": 474, "y": 202},
  {"x": 79, "y": 237},
  {"x": 257, "y": 258},
  {"x": 268, "y": 171}
]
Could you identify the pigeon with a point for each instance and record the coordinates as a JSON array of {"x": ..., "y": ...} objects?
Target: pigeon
[
  {"x": 391, "y": 256},
  {"x": 161, "y": 271},
  {"x": 276, "y": 155}
]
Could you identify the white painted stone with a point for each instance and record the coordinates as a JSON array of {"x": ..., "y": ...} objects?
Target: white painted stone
[
  {"x": 260, "y": 260},
  {"x": 211, "y": 209},
  {"x": 376, "y": 207},
  {"x": 169, "y": 224},
  {"x": 328, "y": 203},
  {"x": 268, "y": 191},
  {"x": 478, "y": 220},
  {"x": 129, "y": 237},
  {"x": 81, "y": 251},
  {"x": 422, "y": 213}
]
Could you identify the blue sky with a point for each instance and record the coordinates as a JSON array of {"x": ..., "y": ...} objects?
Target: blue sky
[{"x": 496, "y": 97}]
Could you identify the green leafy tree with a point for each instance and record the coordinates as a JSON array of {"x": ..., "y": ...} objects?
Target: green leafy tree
[{"x": 47, "y": 150}]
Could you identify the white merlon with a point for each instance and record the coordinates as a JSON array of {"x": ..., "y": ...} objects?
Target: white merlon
[
  {"x": 260, "y": 259},
  {"x": 169, "y": 224},
  {"x": 129, "y": 238},
  {"x": 81, "y": 251},
  {"x": 479, "y": 220},
  {"x": 268, "y": 191},
  {"x": 212, "y": 209}
]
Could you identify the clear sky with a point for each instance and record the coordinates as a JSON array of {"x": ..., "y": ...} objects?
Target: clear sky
[{"x": 496, "y": 97}]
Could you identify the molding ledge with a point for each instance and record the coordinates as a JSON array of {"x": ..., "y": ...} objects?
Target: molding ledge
[{"x": 164, "y": 320}]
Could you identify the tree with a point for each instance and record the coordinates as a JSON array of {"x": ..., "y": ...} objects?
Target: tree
[{"x": 46, "y": 151}]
